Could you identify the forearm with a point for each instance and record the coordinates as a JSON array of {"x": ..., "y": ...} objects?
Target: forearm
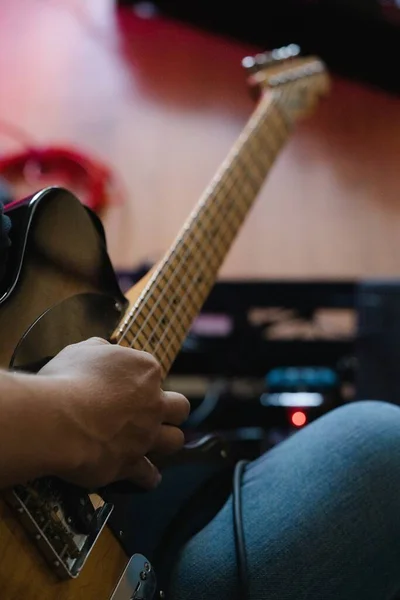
[{"x": 29, "y": 422}]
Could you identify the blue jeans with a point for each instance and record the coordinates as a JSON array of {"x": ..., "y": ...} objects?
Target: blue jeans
[{"x": 321, "y": 517}]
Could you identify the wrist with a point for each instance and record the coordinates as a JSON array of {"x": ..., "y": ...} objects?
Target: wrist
[
  {"x": 33, "y": 423},
  {"x": 60, "y": 451}
]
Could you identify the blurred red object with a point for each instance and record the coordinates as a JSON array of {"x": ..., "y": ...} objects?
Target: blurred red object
[{"x": 92, "y": 181}]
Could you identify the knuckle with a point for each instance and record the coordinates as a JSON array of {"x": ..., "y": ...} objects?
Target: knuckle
[{"x": 153, "y": 363}]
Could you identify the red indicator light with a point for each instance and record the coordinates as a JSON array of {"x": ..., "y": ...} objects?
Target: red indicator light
[{"x": 299, "y": 418}]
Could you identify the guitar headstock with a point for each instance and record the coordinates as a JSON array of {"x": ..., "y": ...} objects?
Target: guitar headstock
[{"x": 302, "y": 80}]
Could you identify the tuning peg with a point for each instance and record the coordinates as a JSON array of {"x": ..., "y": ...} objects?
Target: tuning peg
[{"x": 253, "y": 64}]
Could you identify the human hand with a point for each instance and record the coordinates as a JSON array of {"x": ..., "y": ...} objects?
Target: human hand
[{"x": 112, "y": 413}]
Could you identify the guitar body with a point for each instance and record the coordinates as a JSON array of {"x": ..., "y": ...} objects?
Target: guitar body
[{"x": 60, "y": 288}]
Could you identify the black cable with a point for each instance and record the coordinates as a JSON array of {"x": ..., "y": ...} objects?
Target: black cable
[
  {"x": 208, "y": 405},
  {"x": 238, "y": 528}
]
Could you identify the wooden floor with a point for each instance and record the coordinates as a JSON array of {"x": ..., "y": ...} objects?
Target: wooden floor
[{"x": 163, "y": 103}]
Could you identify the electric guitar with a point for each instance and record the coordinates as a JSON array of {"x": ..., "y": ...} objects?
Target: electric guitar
[{"x": 60, "y": 288}]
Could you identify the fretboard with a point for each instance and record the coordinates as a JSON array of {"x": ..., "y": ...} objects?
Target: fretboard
[{"x": 162, "y": 316}]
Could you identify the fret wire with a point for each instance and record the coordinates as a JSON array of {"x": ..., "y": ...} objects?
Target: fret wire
[
  {"x": 243, "y": 163},
  {"x": 201, "y": 237},
  {"x": 168, "y": 324},
  {"x": 214, "y": 244},
  {"x": 244, "y": 181},
  {"x": 257, "y": 158},
  {"x": 237, "y": 192},
  {"x": 141, "y": 304},
  {"x": 258, "y": 161},
  {"x": 233, "y": 180},
  {"x": 190, "y": 299},
  {"x": 272, "y": 136},
  {"x": 162, "y": 337}
]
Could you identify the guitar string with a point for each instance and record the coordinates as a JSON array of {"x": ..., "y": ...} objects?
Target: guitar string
[
  {"x": 148, "y": 292},
  {"x": 284, "y": 117},
  {"x": 173, "y": 320},
  {"x": 175, "y": 289},
  {"x": 131, "y": 318},
  {"x": 235, "y": 191},
  {"x": 184, "y": 279},
  {"x": 216, "y": 251},
  {"x": 275, "y": 151},
  {"x": 166, "y": 349},
  {"x": 258, "y": 125},
  {"x": 165, "y": 354}
]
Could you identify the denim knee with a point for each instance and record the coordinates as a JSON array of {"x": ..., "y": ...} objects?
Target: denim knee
[
  {"x": 320, "y": 512},
  {"x": 369, "y": 431},
  {"x": 378, "y": 422}
]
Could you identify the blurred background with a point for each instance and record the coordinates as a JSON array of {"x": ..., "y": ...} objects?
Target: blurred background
[{"x": 134, "y": 105}]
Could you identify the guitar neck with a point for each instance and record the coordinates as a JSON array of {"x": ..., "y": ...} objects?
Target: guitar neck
[{"x": 163, "y": 314}]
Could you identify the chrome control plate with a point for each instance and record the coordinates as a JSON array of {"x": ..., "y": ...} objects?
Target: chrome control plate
[{"x": 138, "y": 581}]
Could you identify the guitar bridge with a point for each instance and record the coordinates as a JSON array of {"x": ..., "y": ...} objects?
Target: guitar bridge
[{"x": 63, "y": 521}]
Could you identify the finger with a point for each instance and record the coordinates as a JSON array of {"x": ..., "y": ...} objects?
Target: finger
[
  {"x": 176, "y": 408},
  {"x": 170, "y": 440},
  {"x": 143, "y": 473}
]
